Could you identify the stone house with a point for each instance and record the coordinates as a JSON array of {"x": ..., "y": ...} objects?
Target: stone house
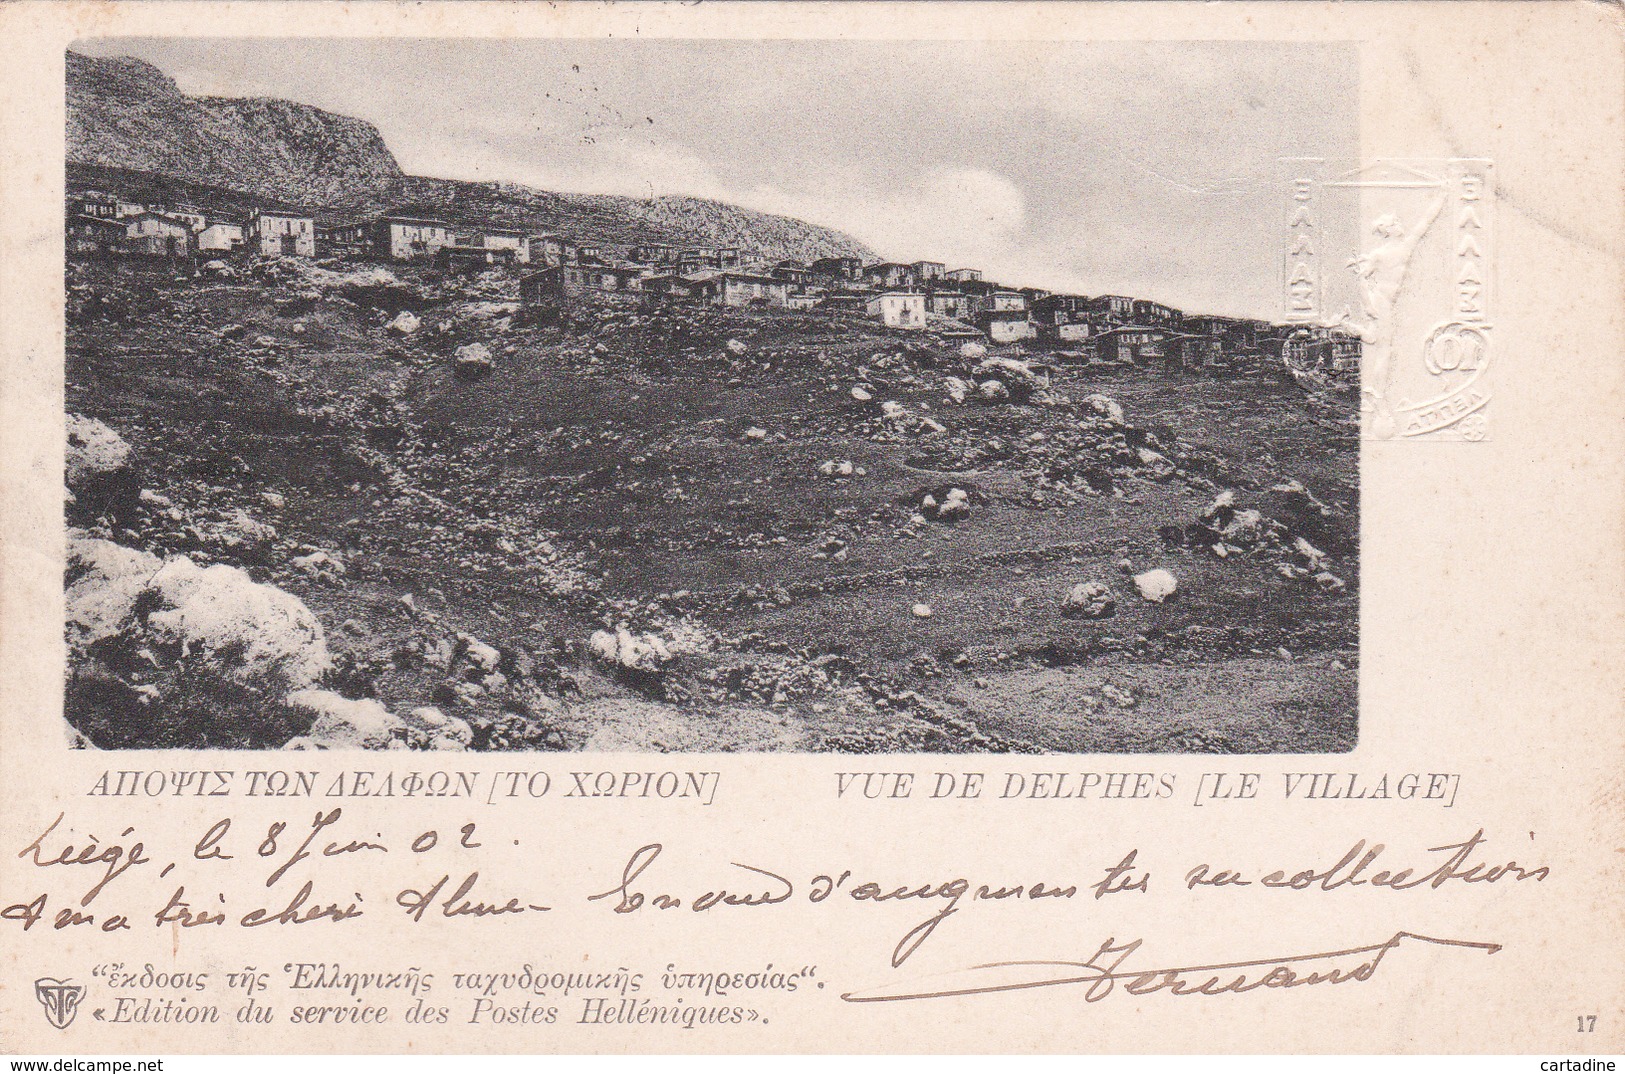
[
  {"x": 156, "y": 235},
  {"x": 1062, "y": 318},
  {"x": 889, "y": 275},
  {"x": 190, "y": 215},
  {"x": 410, "y": 238},
  {"x": 274, "y": 233},
  {"x": 220, "y": 236},
  {"x": 95, "y": 236},
  {"x": 898, "y": 309},
  {"x": 468, "y": 257},
  {"x": 840, "y": 269},
  {"x": 501, "y": 238},
  {"x": 1005, "y": 326},
  {"x": 560, "y": 283},
  {"x": 1155, "y": 314},
  {"x": 955, "y": 304},
  {"x": 745, "y": 289},
  {"x": 1106, "y": 311},
  {"x": 346, "y": 238},
  {"x": 548, "y": 250},
  {"x": 1131, "y": 345}
]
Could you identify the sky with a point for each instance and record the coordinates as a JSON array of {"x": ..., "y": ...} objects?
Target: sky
[{"x": 1135, "y": 168}]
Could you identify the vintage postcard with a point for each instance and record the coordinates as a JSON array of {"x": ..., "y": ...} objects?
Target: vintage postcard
[{"x": 796, "y": 528}]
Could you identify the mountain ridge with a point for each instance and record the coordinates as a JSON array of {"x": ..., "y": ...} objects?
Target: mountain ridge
[{"x": 125, "y": 115}]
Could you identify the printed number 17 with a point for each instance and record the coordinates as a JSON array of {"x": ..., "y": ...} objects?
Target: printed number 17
[{"x": 1588, "y": 1023}]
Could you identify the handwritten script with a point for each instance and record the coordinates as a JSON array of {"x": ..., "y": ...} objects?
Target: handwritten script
[
  {"x": 322, "y": 870},
  {"x": 1110, "y": 966}
]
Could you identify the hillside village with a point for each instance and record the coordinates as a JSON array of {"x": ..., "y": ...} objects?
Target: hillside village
[
  {"x": 362, "y": 459},
  {"x": 556, "y": 270}
]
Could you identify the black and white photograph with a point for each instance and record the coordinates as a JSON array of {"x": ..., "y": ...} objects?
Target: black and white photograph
[{"x": 847, "y": 397}]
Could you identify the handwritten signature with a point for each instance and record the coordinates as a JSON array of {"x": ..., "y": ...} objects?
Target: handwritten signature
[{"x": 1105, "y": 971}]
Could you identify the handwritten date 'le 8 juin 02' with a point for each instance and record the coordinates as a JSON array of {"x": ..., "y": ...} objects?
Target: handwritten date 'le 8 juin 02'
[{"x": 645, "y": 884}]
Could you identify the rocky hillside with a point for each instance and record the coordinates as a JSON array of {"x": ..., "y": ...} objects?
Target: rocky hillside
[
  {"x": 126, "y": 115},
  {"x": 731, "y": 225},
  {"x": 358, "y": 506}
]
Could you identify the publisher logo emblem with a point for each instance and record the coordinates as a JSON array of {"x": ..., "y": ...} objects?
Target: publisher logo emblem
[{"x": 60, "y": 1000}]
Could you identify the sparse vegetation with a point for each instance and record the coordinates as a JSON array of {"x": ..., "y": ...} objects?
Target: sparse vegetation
[{"x": 462, "y": 539}]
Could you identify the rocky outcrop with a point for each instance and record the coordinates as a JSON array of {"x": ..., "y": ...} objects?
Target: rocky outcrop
[
  {"x": 93, "y": 450},
  {"x": 125, "y": 113},
  {"x": 721, "y": 224},
  {"x": 128, "y": 115},
  {"x": 122, "y": 595}
]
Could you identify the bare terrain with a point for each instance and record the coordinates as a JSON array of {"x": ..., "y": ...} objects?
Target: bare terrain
[{"x": 708, "y": 529}]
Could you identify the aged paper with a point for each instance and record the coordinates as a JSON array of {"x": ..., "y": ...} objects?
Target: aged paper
[{"x": 802, "y": 528}]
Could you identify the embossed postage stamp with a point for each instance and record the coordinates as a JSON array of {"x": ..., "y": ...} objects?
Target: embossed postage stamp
[{"x": 1405, "y": 307}]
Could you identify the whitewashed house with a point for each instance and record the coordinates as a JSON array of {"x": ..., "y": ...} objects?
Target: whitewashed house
[
  {"x": 220, "y": 236},
  {"x": 273, "y": 233},
  {"x": 501, "y": 238},
  {"x": 410, "y": 238},
  {"x": 898, "y": 309}
]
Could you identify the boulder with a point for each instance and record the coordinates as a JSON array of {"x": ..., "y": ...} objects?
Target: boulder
[
  {"x": 736, "y": 348},
  {"x": 1105, "y": 407},
  {"x": 860, "y": 395},
  {"x": 955, "y": 505},
  {"x": 443, "y": 732},
  {"x": 1156, "y": 585},
  {"x": 641, "y": 652},
  {"x": 1015, "y": 371},
  {"x": 93, "y": 450},
  {"x": 240, "y": 530},
  {"x": 1301, "y": 498},
  {"x": 972, "y": 352},
  {"x": 1117, "y": 695},
  {"x": 1216, "y": 512},
  {"x": 1237, "y": 527},
  {"x": 405, "y": 323},
  {"x": 322, "y": 566},
  {"x": 484, "y": 657},
  {"x": 1329, "y": 582},
  {"x": 1156, "y": 462},
  {"x": 992, "y": 391},
  {"x": 221, "y": 610},
  {"x": 343, "y": 724},
  {"x": 473, "y": 361},
  {"x": 1313, "y": 557},
  {"x": 103, "y": 581},
  {"x": 218, "y": 270},
  {"x": 921, "y": 611},
  {"x": 1245, "y": 529},
  {"x": 957, "y": 389},
  {"x": 1089, "y": 600}
]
